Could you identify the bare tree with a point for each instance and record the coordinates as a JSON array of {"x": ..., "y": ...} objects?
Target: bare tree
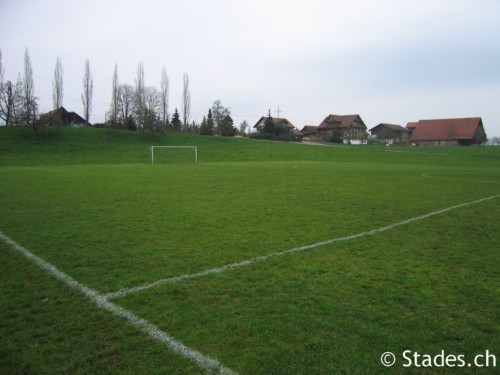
[
  {"x": 30, "y": 103},
  {"x": 57, "y": 85},
  {"x": 88, "y": 90},
  {"x": 186, "y": 100},
  {"x": 2, "y": 90},
  {"x": 1, "y": 67},
  {"x": 152, "y": 105},
  {"x": 115, "y": 98},
  {"x": 164, "y": 89},
  {"x": 11, "y": 102},
  {"x": 126, "y": 97},
  {"x": 243, "y": 127},
  {"x": 140, "y": 99},
  {"x": 1, "y": 72},
  {"x": 11, "y": 99}
]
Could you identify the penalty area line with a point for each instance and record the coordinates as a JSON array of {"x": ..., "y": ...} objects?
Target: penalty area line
[
  {"x": 248, "y": 262},
  {"x": 101, "y": 301}
]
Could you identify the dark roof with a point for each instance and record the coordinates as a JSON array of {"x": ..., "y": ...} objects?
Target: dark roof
[
  {"x": 309, "y": 129},
  {"x": 67, "y": 118},
  {"x": 396, "y": 128},
  {"x": 276, "y": 121},
  {"x": 446, "y": 129},
  {"x": 338, "y": 121}
]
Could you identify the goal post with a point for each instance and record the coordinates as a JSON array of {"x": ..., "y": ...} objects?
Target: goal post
[{"x": 194, "y": 148}]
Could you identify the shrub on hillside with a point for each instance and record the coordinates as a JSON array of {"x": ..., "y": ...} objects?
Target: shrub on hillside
[{"x": 273, "y": 137}]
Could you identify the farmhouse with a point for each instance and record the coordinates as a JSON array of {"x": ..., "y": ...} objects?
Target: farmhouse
[
  {"x": 276, "y": 120},
  {"x": 61, "y": 116},
  {"x": 391, "y": 134},
  {"x": 447, "y": 132},
  {"x": 349, "y": 128}
]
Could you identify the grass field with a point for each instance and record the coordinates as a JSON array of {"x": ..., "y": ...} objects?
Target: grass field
[{"x": 90, "y": 203}]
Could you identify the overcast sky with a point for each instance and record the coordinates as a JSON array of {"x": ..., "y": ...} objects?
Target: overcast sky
[{"x": 390, "y": 61}]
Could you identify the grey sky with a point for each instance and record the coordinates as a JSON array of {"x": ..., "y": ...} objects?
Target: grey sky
[{"x": 388, "y": 60}]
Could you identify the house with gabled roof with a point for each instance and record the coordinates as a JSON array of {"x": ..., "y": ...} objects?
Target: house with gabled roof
[
  {"x": 448, "y": 132},
  {"x": 259, "y": 126},
  {"x": 310, "y": 131},
  {"x": 390, "y": 134},
  {"x": 350, "y": 128},
  {"x": 61, "y": 116}
]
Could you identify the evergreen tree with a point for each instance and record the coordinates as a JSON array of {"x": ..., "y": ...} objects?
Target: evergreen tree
[
  {"x": 269, "y": 126},
  {"x": 203, "y": 125},
  {"x": 176, "y": 121},
  {"x": 210, "y": 121},
  {"x": 226, "y": 127},
  {"x": 207, "y": 125}
]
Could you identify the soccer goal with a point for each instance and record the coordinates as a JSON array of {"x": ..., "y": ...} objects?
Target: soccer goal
[{"x": 194, "y": 148}]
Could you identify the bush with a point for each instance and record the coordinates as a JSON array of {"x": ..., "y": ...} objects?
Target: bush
[
  {"x": 272, "y": 137},
  {"x": 336, "y": 137}
]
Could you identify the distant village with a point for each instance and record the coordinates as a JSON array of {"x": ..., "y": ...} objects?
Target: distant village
[
  {"x": 146, "y": 109},
  {"x": 349, "y": 129}
]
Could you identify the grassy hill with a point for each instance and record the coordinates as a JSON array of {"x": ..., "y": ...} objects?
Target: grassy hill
[
  {"x": 69, "y": 146},
  {"x": 90, "y": 203}
]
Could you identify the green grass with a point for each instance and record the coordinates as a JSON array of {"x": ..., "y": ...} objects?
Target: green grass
[{"x": 90, "y": 203}]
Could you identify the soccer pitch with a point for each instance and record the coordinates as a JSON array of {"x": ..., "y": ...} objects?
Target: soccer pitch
[{"x": 316, "y": 264}]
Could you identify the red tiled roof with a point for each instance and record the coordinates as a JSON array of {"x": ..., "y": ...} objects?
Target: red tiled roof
[{"x": 446, "y": 129}]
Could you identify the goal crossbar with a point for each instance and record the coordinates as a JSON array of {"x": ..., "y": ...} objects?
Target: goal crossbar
[{"x": 194, "y": 148}]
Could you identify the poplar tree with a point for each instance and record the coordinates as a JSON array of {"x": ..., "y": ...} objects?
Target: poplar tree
[
  {"x": 30, "y": 104},
  {"x": 88, "y": 90},
  {"x": 186, "y": 100},
  {"x": 57, "y": 85}
]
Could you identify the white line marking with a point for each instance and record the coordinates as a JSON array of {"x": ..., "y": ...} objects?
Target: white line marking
[
  {"x": 244, "y": 263},
  {"x": 363, "y": 147},
  {"x": 101, "y": 301}
]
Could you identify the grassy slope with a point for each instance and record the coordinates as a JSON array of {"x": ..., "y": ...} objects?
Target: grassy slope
[
  {"x": 66, "y": 146},
  {"x": 337, "y": 309}
]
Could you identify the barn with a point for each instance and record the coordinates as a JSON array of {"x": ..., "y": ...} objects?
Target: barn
[
  {"x": 448, "y": 132},
  {"x": 310, "y": 131},
  {"x": 391, "y": 134}
]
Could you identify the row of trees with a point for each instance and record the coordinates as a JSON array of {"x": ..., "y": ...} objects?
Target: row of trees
[
  {"x": 141, "y": 107},
  {"x": 146, "y": 107},
  {"x": 18, "y": 103},
  {"x": 134, "y": 107}
]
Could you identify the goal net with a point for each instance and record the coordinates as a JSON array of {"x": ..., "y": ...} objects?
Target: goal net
[{"x": 174, "y": 154}]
